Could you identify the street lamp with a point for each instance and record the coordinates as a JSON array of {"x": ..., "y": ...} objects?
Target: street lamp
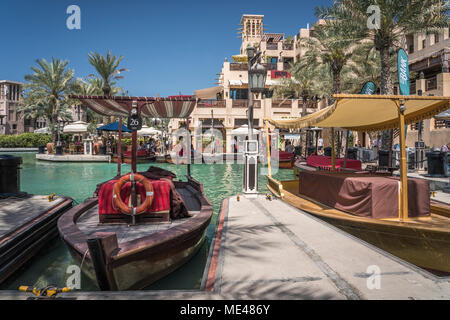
[{"x": 256, "y": 84}]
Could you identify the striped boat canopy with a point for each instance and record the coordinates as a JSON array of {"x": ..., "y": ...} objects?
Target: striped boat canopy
[{"x": 172, "y": 107}]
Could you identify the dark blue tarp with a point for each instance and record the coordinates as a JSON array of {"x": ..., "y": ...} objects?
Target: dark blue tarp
[{"x": 114, "y": 126}]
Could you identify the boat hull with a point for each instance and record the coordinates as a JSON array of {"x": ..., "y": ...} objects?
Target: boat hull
[
  {"x": 139, "y": 262},
  {"x": 424, "y": 242}
]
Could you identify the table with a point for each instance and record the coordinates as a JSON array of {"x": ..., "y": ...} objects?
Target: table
[{"x": 316, "y": 161}]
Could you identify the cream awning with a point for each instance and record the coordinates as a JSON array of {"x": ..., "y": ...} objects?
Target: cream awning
[
  {"x": 208, "y": 93},
  {"x": 304, "y": 122},
  {"x": 369, "y": 112}
]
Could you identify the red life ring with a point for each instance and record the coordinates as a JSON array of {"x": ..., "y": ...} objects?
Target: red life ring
[{"x": 149, "y": 193}]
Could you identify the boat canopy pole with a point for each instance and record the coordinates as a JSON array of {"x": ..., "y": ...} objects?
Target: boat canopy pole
[
  {"x": 119, "y": 148},
  {"x": 347, "y": 133},
  {"x": 268, "y": 150},
  {"x": 403, "y": 196},
  {"x": 333, "y": 151},
  {"x": 189, "y": 150}
]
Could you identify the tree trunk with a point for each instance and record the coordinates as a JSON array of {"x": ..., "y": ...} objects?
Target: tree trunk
[{"x": 386, "y": 88}]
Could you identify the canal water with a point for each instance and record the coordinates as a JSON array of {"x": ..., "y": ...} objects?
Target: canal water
[{"x": 79, "y": 180}]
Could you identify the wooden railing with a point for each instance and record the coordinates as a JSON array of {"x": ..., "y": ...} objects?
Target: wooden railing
[
  {"x": 211, "y": 104},
  {"x": 272, "y": 46},
  {"x": 431, "y": 84},
  {"x": 281, "y": 103},
  {"x": 238, "y": 67},
  {"x": 243, "y": 103},
  {"x": 288, "y": 46}
]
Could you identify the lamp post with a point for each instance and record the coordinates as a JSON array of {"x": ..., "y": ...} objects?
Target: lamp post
[{"x": 256, "y": 84}]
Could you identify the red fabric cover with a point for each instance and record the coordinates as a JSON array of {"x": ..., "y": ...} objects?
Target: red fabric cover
[
  {"x": 140, "y": 153},
  {"x": 285, "y": 156},
  {"x": 161, "y": 199},
  {"x": 316, "y": 161}
]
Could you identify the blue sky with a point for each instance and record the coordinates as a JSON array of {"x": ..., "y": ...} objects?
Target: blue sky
[{"x": 169, "y": 46}]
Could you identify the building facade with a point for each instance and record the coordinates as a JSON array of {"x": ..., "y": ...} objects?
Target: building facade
[
  {"x": 225, "y": 108},
  {"x": 11, "y": 121},
  {"x": 429, "y": 56}
]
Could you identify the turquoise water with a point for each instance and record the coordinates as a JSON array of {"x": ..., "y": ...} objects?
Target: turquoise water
[{"x": 79, "y": 180}]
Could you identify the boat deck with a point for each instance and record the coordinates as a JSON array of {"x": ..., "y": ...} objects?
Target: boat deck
[
  {"x": 27, "y": 223},
  {"x": 89, "y": 221},
  {"x": 89, "y": 224}
]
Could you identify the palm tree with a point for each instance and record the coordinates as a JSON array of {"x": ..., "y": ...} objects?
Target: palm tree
[
  {"x": 108, "y": 70},
  {"x": 46, "y": 92},
  {"x": 329, "y": 46},
  {"x": 397, "y": 18}
]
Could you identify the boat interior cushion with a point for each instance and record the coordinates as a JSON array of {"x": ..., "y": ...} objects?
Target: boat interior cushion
[
  {"x": 365, "y": 194},
  {"x": 286, "y": 156},
  {"x": 316, "y": 161}
]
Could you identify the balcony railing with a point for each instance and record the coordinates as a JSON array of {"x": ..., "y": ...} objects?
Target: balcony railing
[
  {"x": 238, "y": 67},
  {"x": 288, "y": 46},
  {"x": 211, "y": 104},
  {"x": 281, "y": 103},
  {"x": 431, "y": 84},
  {"x": 243, "y": 103},
  {"x": 272, "y": 46}
]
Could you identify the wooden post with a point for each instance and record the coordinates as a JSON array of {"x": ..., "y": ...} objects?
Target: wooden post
[
  {"x": 188, "y": 142},
  {"x": 119, "y": 148},
  {"x": 403, "y": 205},
  {"x": 268, "y": 150},
  {"x": 346, "y": 148},
  {"x": 333, "y": 152},
  {"x": 101, "y": 246}
]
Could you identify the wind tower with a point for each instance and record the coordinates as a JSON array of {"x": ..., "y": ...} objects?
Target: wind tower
[{"x": 251, "y": 30}]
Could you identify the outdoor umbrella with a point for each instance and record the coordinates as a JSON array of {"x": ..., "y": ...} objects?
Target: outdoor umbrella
[
  {"x": 114, "y": 126},
  {"x": 44, "y": 130},
  {"x": 148, "y": 131},
  {"x": 76, "y": 127}
]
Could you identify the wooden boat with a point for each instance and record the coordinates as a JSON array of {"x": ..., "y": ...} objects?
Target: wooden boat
[
  {"x": 424, "y": 242},
  {"x": 135, "y": 256},
  {"x": 134, "y": 230}
]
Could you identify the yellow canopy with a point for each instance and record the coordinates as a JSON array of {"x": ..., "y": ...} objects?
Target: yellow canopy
[{"x": 369, "y": 112}]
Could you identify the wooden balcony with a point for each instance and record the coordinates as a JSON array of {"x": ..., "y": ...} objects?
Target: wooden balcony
[
  {"x": 238, "y": 67},
  {"x": 288, "y": 46},
  {"x": 243, "y": 103},
  {"x": 281, "y": 103},
  {"x": 272, "y": 46},
  {"x": 211, "y": 104}
]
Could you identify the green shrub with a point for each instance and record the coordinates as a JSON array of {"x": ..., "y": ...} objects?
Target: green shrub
[{"x": 24, "y": 140}]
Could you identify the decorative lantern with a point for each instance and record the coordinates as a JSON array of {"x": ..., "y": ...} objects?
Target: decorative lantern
[{"x": 257, "y": 78}]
